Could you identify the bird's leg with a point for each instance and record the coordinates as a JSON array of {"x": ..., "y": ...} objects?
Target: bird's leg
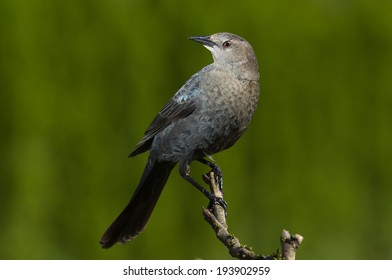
[
  {"x": 217, "y": 172},
  {"x": 185, "y": 171}
]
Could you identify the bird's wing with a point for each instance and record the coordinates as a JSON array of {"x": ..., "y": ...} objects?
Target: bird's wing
[{"x": 180, "y": 106}]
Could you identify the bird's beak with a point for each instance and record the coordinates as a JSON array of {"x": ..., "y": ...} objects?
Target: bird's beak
[{"x": 205, "y": 41}]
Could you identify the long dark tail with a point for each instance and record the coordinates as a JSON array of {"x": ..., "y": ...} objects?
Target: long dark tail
[{"x": 133, "y": 219}]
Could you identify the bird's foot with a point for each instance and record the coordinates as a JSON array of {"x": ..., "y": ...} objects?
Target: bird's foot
[
  {"x": 218, "y": 177},
  {"x": 214, "y": 200},
  {"x": 217, "y": 172}
]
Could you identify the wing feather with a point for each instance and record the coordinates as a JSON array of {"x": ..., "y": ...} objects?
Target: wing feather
[{"x": 180, "y": 106}]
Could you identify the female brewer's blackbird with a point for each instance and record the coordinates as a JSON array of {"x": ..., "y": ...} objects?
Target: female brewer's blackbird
[{"x": 207, "y": 115}]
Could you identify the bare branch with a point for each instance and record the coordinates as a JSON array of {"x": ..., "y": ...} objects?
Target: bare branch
[
  {"x": 216, "y": 217},
  {"x": 290, "y": 244}
]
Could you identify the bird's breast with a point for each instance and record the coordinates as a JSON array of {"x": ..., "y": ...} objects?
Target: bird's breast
[{"x": 227, "y": 110}]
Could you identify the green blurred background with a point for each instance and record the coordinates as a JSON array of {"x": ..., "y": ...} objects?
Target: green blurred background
[{"x": 81, "y": 80}]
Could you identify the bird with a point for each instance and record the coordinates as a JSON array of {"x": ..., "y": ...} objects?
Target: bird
[{"x": 208, "y": 114}]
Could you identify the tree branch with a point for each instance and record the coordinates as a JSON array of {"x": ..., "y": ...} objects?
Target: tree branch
[{"x": 216, "y": 217}]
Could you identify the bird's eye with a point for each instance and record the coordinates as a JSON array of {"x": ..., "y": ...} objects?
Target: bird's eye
[{"x": 226, "y": 44}]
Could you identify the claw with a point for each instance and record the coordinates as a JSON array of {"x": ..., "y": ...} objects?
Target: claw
[
  {"x": 218, "y": 176},
  {"x": 219, "y": 179},
  {"x": 217, "y": 201},
  {"x": 217, "y": 171}
]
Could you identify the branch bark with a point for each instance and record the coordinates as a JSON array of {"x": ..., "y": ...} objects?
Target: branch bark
[{"x": 216, "y": 217}]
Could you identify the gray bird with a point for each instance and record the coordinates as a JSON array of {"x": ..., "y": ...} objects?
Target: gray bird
[{"x": 208, "y": 114}]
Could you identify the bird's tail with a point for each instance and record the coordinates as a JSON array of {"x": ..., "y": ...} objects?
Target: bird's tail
[{"x": 134, "y": 217}]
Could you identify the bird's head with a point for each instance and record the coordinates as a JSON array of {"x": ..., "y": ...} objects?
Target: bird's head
[{"x": 229, "y": 49}]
